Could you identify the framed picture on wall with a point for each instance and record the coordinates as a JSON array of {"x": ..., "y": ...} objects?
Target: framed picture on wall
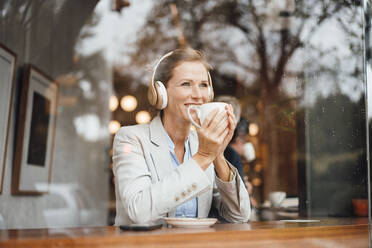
[
  {"x": 8, "y": 61},
  {"x": 35, "y": 133}
]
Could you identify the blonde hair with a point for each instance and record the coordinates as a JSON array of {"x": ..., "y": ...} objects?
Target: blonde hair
[{"x": 164, "y": 71}]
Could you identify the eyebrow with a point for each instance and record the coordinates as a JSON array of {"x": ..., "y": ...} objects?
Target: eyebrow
[{"x": 188, "y": 79}]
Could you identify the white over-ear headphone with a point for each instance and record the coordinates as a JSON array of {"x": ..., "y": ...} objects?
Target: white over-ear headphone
[{"x": 157, "y": 93}]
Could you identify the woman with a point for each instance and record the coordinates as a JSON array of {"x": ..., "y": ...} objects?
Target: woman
[{"x": 163, "y": 169}]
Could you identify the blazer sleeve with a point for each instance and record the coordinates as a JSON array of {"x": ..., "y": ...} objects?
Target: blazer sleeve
[
  {"x": 231, "y": 199},
  {"x": 145, "y": 199}
]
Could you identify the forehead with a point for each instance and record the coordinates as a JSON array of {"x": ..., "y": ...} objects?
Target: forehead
[{"x": 190, "y": 69}]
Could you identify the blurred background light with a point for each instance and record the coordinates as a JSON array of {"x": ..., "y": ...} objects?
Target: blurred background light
[
  {"x": 143, "y": 117},
  {"x": 128, "y": 103},
  {"x": 114, "y": 126},
  {"x": 114, "y": 103},
  {"x": 253, "y": 129},
  {"x": 256, "y": 182},
  {"x": 258, "y": 168}
]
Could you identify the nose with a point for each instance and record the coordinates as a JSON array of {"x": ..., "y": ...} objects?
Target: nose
[{"x": 196, "y": 92}]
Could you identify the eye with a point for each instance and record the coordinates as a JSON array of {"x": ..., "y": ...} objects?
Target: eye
[
  {"x": 185, "y": 83},
  {"x": 204, "y": 85}
]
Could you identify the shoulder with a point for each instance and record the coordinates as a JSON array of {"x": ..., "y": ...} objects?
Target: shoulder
[
  {"x": 133, "y": 128},
  {"x": 133, "y": 132}
]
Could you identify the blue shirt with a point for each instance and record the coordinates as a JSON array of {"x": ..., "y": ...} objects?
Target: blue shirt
[{"x": 190, "y": 208}]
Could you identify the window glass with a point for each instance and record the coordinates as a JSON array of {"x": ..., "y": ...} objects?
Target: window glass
[{"x": 295, "y": 67}]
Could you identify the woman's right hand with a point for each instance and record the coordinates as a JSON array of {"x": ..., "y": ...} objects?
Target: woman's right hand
[{"x": 211, "y": 137}]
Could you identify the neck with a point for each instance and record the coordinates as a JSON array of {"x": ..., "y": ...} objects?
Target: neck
[{"x": 177, "y": 130}]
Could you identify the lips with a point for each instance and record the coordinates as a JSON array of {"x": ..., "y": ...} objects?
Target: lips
[{"x": 188, "y": 104}]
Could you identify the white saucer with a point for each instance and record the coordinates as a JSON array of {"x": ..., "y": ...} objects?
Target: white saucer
[{"x": 191, "y": 222}]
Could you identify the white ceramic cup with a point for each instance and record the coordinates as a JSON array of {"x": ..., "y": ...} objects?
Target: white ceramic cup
[
  {"x": 203, "y": 110},
  {"x": 276, "y": 198}
]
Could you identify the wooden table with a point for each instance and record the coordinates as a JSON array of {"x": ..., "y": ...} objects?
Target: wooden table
[{"x": 325, "y": 233}]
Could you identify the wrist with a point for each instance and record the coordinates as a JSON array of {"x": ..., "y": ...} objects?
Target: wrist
[
  {"x": 203, "y": 160},
  {"x": 220, "y": 158},
  {"x": 222, "y": 168}
]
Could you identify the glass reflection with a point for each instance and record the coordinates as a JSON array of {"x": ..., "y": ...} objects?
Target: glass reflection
[
  {"x": 368, "y": 93},
  {"x": 295, "y": 66},
  {"x": 297, "y": 69},
  {"x": 52, "y": 36}
]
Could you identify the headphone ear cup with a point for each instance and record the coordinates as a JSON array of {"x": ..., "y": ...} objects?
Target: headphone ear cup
[
  {"x": 210, "y": 88},
  {"x": 162, "y": 99},
  {"x": 210, "y": 93},
  {"x": 152, "y": 95},
  {"x": 156, "y": 93}
]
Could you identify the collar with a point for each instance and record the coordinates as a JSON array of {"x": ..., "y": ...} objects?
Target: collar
[
  {"x": 158, "y": 137},
  {"x": 170, "y": 141}
]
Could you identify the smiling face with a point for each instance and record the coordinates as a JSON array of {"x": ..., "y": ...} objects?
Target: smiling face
[{"x": 187, "y": 86}]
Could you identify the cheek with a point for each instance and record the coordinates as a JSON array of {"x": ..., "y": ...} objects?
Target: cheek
[
  {"x": 206, "y": 96},
  {"x": 175, "y": 98}
]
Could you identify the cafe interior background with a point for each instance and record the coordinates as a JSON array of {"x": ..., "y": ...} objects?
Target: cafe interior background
[{"x": 298, "y": 68}]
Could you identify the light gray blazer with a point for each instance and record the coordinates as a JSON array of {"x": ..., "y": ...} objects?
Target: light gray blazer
[{"x": 148, "y": 187}]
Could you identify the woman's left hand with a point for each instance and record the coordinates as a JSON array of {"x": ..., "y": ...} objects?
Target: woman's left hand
[{"x": 232, "y": 125}]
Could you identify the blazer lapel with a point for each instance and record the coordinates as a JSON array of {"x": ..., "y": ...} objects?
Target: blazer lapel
[{"x": 162, "y": 160}]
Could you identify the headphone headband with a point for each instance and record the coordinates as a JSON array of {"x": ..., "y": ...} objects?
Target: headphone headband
[{"x": 158, "y": 63}]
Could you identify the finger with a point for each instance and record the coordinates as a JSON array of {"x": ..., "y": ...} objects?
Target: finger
[
  {"x": 223, "y": 136},
  {"x": 228, "y": 106},
  {"x": 227, "y": 138},
  {"x": 210, "y": 118},
  {"x": 231, "y": 113},
  {"x": 218, "y": 120},
  {"x": 231, "y": 133},
  {"x": 224, "y": 124},
  {"x": 230, "y": 109},
  {"x": 232, "y": 122},
  {"x": 222, "y": 127}
]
